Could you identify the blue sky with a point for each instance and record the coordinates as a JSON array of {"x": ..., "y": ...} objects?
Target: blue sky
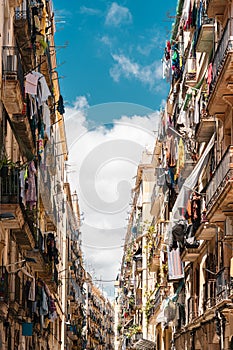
[
  {"x": 113, "y": 90},
  {"x": 114, "y": 50}
]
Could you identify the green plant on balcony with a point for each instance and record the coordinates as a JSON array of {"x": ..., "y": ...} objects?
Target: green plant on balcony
[
  {"x": 131, "y": 300},
  {"x": 165, "y": 268},
  {"x": 5, "y": 164},
  {"x": 135, "y": 329},
  {"x": 148, "y": 308},
  {"x": 129, "y": 253},
  {"x": 119, "y": 328}
]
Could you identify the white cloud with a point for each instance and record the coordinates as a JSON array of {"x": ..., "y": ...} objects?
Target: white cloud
[
  {"x": 89, "y": 11},
  {"x": 118, "y": 15},
  {"x": 106, "y": 40},
  {"x": 81, "y": 103},
  {"x": 148, "y": 44},
  {"x": 105, "y": 163},
  {"x": 124, "y": 67}
]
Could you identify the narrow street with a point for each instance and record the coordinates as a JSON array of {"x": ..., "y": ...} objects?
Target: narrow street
[{"x": 116, "y": 195}]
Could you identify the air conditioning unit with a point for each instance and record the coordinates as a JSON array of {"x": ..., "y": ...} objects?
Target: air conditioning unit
[{"x": 11, "y": 65}]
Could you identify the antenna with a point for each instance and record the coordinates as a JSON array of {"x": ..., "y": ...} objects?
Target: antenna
[{"x": 169, "y": 19}]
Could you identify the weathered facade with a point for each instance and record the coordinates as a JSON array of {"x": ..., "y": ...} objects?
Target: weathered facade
[
  {"x": 38, "y": 223},
  {"x": 99, "y": 318},
  {"x": 189, "y": 239}
]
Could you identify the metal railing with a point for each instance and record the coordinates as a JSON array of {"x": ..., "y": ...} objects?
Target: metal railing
[
  {"x": 221, "y": 176},
  {"x": 209, "y": 294},
  {"x": 192, "y": 309},
  {"x": 225, "y": 44},
  {"x": 4, "y": 291},
  {"x": 157, "y": 299},
  {"x": 11, "y": 66},
  {"x": 9, "y": 185},
  {"x": 23, "y": 13},
  {"x": 222, "y": 284}
]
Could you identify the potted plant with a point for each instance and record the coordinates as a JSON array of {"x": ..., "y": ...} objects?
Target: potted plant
[{"x": 5, "y": 164}]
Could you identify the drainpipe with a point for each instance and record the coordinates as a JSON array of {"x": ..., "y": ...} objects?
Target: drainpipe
[{"x": 220, "y": 321}]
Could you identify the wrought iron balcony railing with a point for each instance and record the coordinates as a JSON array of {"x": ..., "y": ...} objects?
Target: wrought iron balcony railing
[
  {"x": 225, "y": 44},
  {"x": 4, "y": 291},
  {"x": 10, "y": 187},
  {"x": 223, "y": 286},
  {"x": 12, "y": 67},
  {"x": 222, "y": 175}
]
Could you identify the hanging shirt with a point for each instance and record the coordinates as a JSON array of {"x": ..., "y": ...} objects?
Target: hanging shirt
[
  {"x": 31, "y": 83},
  {"x": 43, "y": 90}
]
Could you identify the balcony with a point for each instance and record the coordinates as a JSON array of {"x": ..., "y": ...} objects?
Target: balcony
[
  {"x": 189, "y": 165},
  {"x": 10, "y": 203},
  {"x": 22, "y": 130},
  {"x": 192, "y": 309},
  {"x": 209, "y": 299},
  {"x": 221, "y": 87},
  {"x": 191, "y": 72},
  {"x": 22, "y": 28},
  {"x": 154, "y": 263},
  {"x": 219, "y": 193},
  {"x": 138, "y": 265},
  {"x": 156, "y": 202},
  {"x": 138, "y": 297},
  {"x": 15, "y": 3},
  {"x": 12, "y": 81},
  {"x": 190, "y": 254},
  {"x": 206, "y": 232},
  {"x": 216, "y": 8},
  {"x": 205, "y": 38},
  {"x": 49, "y": 273},
  {"x": 205, "y": 129},
  {"x": 158, "y": 298},
  {"x": 223, "y": 286},
  {"x": 46, "y": 67},
  {"x": 45, "y": 193},
  {"x": 37, "y": 253}
]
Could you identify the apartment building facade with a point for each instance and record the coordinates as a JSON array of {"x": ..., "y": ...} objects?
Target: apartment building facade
[
  {"x": 39, "y": 225},
  {"x": 189, "y": 245},
  {"x": 99, "y": 318}
]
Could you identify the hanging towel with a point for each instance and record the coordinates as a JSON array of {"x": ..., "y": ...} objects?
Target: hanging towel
[
  {"x": 44, "y": 309},
  {"x": 175, "y": 265},
  {"x": 32, "y": 290}
]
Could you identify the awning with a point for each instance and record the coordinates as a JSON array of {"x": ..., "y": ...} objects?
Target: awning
[{"x": 145, "y": 344}]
